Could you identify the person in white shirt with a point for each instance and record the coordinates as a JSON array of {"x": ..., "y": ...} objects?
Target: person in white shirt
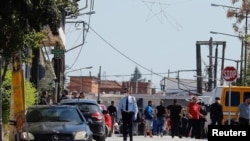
[{"x": 128, "y": 110}]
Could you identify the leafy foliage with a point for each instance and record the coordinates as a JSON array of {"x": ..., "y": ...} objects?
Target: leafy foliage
[
  {"x": 6, "y": 93},
  {"x": 30, "y": 95},
  {"x": 239, "y": 13},
  {"x": 22, "y": 23},
  {"x": 136, "y": 76}
]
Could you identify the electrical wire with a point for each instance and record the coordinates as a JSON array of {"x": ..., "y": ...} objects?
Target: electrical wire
[{"x": 149, "y": 70}]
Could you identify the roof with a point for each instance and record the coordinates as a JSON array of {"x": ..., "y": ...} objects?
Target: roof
[
  {"x": 110, "y": 84},
  {"x": 177, "y": 86}
]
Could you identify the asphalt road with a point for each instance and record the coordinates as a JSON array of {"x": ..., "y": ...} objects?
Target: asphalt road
[{"x": 116, "y": 137}]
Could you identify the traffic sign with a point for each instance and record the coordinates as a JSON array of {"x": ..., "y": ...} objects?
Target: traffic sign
[{"x": 229, "y": 73}]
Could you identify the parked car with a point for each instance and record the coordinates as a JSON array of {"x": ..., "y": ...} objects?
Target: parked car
[
  {"x": 91, "y": 110},
  {"x": 56, "y": 123},
  {"x": 108, "y": 119}
]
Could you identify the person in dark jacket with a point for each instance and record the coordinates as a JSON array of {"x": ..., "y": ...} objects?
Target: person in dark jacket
[
  {"x": 64, "y": 95},
  {"x": 175, "y": 111},
  {"x": 216, "y": 112},
  {"x": 203, "y": 120},
  {"x": 161, "y": 112},
  {"x": 43, "y": 98},
  {"x": 113, "y": 113}
]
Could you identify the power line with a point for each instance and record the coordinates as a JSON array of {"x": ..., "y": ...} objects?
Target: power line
[{"x": 149, "y": 70}]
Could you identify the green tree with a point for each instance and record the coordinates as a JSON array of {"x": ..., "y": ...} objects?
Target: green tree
[
  {"x": 136, "y": 75},
  {"x": 6, "y": 93},
  {"x": 22, "y": 23},
  {"x": 241, "y": 13},
  {"x": 30, "y": 95}
]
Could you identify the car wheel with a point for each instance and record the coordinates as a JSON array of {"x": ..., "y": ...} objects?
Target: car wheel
[{"x": 101, "y": 138}]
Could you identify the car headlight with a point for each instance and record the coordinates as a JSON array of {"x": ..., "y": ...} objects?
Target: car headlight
[
  {"x": 27, "y": 136},
  {"x": 81, "y": 135}
]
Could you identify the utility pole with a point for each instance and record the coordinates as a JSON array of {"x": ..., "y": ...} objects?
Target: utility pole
[
  {"x": 215, "y": 66},
  {"x": 245, "y": 57},
  {"x": 240, "y": 80},
  {"x": 198, "y": 63},
  {"x": 99, "y": 84},
  {"x": 210, "y": 81}
]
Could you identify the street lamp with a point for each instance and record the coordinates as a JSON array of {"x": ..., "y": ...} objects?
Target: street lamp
[
  {"x": 87, "y": 13},
  {"x": 236, "y": 61},
  {"x": 241, "y": 56},
  {"x": 219, "y": 5},
  {"x": 89, "y": 67}
]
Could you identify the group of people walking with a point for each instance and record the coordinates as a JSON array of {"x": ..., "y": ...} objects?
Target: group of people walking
[
  {"x": 187, "y": 121},
  {"x": 180, "y": 120},
  {"x": 193, "y": 118}
]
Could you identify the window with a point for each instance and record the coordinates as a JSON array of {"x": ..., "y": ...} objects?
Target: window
[
  {"x": 235, "y": 98},
  {"x": 246, "y": 95},
  {"x": 86, "y": 107}
]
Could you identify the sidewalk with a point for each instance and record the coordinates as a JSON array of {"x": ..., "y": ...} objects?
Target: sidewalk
[{"x": 118, "y": 137}]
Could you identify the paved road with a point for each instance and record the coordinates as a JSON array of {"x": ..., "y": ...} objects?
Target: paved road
[{"x": 156, "y": 138}]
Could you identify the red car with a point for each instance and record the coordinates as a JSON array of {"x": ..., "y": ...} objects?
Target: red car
[{"x": 108, "y": 119}]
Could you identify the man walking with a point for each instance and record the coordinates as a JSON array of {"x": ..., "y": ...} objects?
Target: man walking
[
  {"x": 193, "y": 112},
  {"x": 113, "y": 113},
  {"x": 160, "y": 112},
  {"x": 176, "y": 111},
  {"x": 149, "y": 116},
  {"x": 216, "y": 112},
  {"x": 128, "y": 110},
  {"x": 243, "y": 112}
]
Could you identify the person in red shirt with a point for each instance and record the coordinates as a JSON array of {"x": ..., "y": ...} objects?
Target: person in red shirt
[
  {"x": 193, "y": 113},
  {"x": 108, "y": 120}
]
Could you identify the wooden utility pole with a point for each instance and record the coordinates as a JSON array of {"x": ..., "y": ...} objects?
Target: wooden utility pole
[
  {"x": 210, "y": 67},
  {"x": 99, "y": 84},
  {"x": 215, "y": 66},
  {"x": 198, "y": 63}
]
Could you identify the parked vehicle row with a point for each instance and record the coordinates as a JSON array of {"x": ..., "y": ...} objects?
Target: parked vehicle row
[
  {"x": 70, "y": 120},
  {"x": 101, "y": 125},
  {"x": 55, "y": 123}
]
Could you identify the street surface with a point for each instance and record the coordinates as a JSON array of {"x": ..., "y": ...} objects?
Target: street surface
[{"x": 116, "y": 137}]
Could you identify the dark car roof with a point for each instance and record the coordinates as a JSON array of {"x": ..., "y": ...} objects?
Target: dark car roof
[
  {"x": 49, "y": 106},
  {"x": 77, "y": 100}
]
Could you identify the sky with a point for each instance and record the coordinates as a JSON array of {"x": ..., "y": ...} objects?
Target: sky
[{"x": 156, "y": 36}]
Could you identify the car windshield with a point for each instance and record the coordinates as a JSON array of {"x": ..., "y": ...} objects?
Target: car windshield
[
  {"x": 55, "y": 114},
  {"x": 86, "y": 107}
]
